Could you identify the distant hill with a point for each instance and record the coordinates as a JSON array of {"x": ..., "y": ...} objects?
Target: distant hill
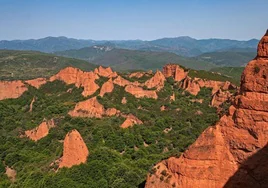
[
  {"x": 30, "y": 64},
  {"x": 227, "y": 58},
  {"x": 123, "y": 59},
  {"x": 184, "y": 46},
  {"x": 231, "y": 72}
]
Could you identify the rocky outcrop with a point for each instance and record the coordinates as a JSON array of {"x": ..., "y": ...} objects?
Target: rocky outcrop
[
  {"x": 124, "y": 100},
  {"x": 123, "y": 82},
  {"x": 91, "y": 108},
  {"x": 157, "y": 81},
  {"x": 37, "y": 83},
  {"x": 107, "y": 87},
  {"x": 130, "y": 121},
  {"x": 11, "y": 89},
  {"x": 75, "y": 76},
  {"x": 75, "y": 150},
  {"x": 11, "y": 173},
  {"x": 31, "y": 104},
  {"x": 41, "y": 131},
  {"x": 172, "y": 97},
  {"x": 220, "y": 97},
  {"x": 193, "y": 86},
  {"x": 225, "y": 150},
  {"x": 139, "y": 92},
  {"x": 105, "y": 72},
  {"x": 137, "y": 74},
  {"x": 174, "y": 71}
]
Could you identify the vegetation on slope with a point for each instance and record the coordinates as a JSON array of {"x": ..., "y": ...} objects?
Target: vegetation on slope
[
  {"x": 118, "y": 157},
  {"x": 121, "y": 59},
  {"x": 30, "y": 64},
  {"x": 227, "y": 58},
  {"x": 234, "y": 73}
]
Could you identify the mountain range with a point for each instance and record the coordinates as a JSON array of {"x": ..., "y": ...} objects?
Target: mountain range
[{"x": 185, "y": 46}]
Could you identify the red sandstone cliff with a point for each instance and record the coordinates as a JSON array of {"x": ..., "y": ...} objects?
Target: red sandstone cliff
[
  {"x": 107, "y": 87},
  {"x": 11, "y": 89},
  {"x": 175, "y": 71},
  {"x": 130, "y": 121},
  {"x": 92, "y": 108},
  {"x": 41, "y": 131},
  {"x": 75, "y": 150},
  {"x": 157, "y": 81},
  {"x": 75, "y": 76},
  {"x": 105, "y": 72},
  {"x": 37, "y": 83},
  {"x": 222, "y": 155},
  {"x": 139, "y": 92}
]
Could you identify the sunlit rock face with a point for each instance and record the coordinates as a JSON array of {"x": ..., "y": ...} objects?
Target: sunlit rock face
[
  {"x": 75, "y": 76},
  {"x": 107, "y": 87},
  {"x": 37, "y": 83},
  {"x": 229, "y": 154},
  {"x": 174, "y": 71},
  {"x": 157, "y": 81},
  {"x": 40, "y": 131},
  {"x": 75, "y": 150},
  {"x": 12, "y": 89}
]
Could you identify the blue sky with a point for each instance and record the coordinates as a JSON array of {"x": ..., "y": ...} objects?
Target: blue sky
[{"x": 133, "y": 19}]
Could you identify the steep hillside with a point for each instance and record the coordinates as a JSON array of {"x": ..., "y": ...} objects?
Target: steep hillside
[
  {"x": 30, "y": 64},
  {"x": 121, "y": 59},
  {"x": 227, "y": 58},
  {"x": 101, "y": 128},
  {"x": 231, "y": 72}
]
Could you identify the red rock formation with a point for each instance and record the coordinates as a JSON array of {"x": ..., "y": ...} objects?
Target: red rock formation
[
  {"x": 174, "y": 71},
  {"x": 137, "y": 74},
  {"x": 37, "y": 83},
  {"x": 162, "y": 108},
  {"x": 130, "y": 121},
  {"x": 220, "y": 97},
  {"x": 75, "y": 76},
  {"x": 190, "y": 86},
  {"x": 139, "y": 92},
  {"x": 11, "y": 173},
  {"x": 193, "y": 85},
  {"x": 221, "y": 151},
  {"x": 11, "y": 89},
  {"x": 172, "y": 97},
  {"x": 124, "y": 100},
  {"x": 31, "y": 105},
  {"x": 105, "y": 72},
  {"x": 121, "y": 81},
  {"x": 107, "y": 87},
  {"x": 41, "y": 131},
  {"x": 157, "y": 81},
  {"x": 75, "y": 150},
  {"x": 91, "y": 108}
]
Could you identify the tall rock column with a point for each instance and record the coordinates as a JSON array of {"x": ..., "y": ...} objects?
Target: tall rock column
[{"x": 234, "y": 152}]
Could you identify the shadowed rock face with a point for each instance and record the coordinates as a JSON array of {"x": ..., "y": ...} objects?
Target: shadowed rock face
[
  {"x": 75, "y": 150},
  {"x": 11, "y": 89},
  {"x": 226, "y": 155}
]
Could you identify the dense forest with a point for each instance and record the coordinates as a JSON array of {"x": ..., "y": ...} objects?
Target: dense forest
[{"x": 118, "y": 157}]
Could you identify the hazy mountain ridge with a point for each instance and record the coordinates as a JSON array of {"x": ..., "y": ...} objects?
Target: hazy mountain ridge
[{"x": 185, "y": 46}]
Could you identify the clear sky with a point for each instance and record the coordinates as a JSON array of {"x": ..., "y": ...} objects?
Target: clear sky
[{"x": 133, "y": 19}]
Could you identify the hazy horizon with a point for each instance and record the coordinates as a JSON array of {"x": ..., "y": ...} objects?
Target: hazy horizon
[{"x": 133, "y": 20}]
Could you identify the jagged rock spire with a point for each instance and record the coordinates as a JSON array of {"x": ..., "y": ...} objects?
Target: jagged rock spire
[{"x": 263, "y": 46}]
